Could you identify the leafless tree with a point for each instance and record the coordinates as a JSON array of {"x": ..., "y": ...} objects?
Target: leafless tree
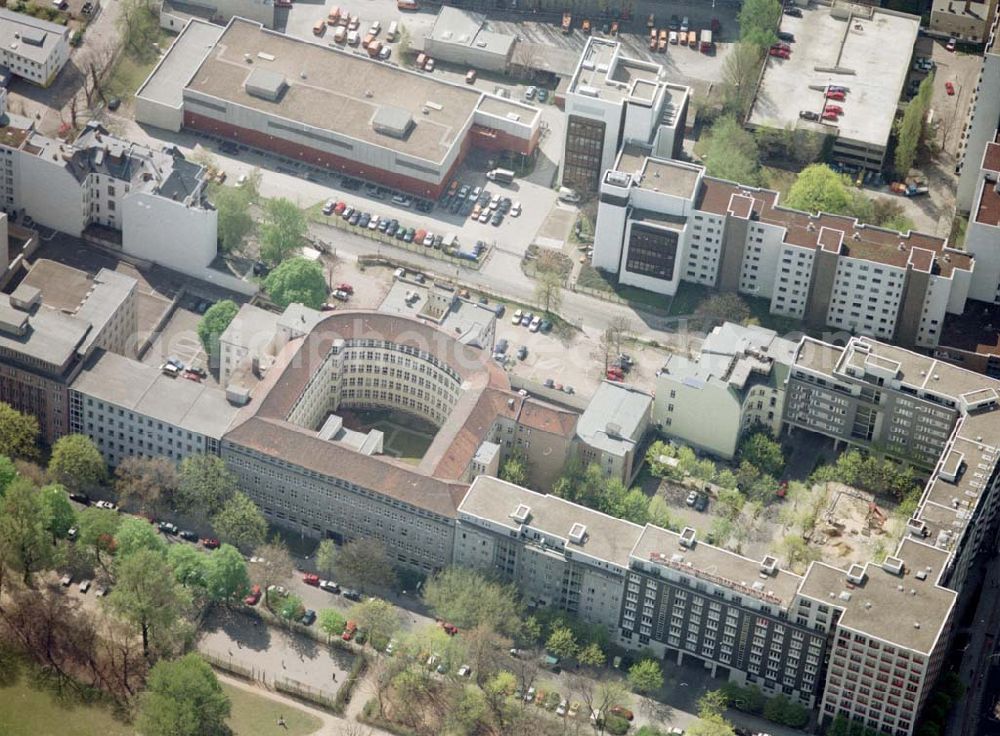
[{"x": 275, "y": 566}]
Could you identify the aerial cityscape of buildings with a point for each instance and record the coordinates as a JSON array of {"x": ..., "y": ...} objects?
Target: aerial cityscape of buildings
[{"x": 113, "y": 252}]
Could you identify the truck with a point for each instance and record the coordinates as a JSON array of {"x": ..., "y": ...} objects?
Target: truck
[
  {"x": 333, "y": 17},
  {"x": 706, "y": 41},
  {"x": 567, "y": 23},
  {"x": 407, "y": 5},
  {"x": 340, "y": 35},
  {"x": 501, "y": 176},
  {"x": 374, "y": 47}
]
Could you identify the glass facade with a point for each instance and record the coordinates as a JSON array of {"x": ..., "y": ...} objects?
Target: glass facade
[
  {"x": 584, "y": 146},
  {"x": 652, "y": 252}
]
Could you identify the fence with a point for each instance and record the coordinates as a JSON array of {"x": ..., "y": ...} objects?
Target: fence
[
  {"x": 252, "y": 674},
  {"x": 308, "y": 693}
]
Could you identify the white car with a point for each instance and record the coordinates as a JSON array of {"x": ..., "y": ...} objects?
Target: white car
[
  {"x": 429, "y": 238},
  {"x": 684, "y": 24},
  {"x": 495, "y": 202},
  {"x": 530, "y": 695},
  {"x": 66, "y": 580},
  {"x": 516, "y": 318},
  {"x": 515, "y": 210},
  {"x": 84, "y": 586},
  {"x": 535, "y": 324},
  {"x": 373, "y": 223},
  {"x": 328, "y": 206},
  {"x": 485, "y": 215},
  {"x": 106, "y": 505},
  {"x": 692, "y": 497},
  {"x": 561, "y": 710},
  {"x": 375, "y": 27},
  {"x": 429, "y": 66},
  {"x": 464, "y": 671}
]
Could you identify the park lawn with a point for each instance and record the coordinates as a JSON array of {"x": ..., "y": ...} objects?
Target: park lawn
[
  {"x": 27, "y": 711},
  {"x": 254, "y": 714}
]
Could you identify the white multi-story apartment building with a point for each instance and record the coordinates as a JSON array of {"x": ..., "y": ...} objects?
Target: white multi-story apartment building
[
  {"x": 737, "y": 379},
  {"x": 982, "y": 235},
  {"x": 33, "y": 49},
  {"x": 660, "y": 222},
  {"x": 614, "y": 99},
  {"x": 150, "y": 202},
  {"x": 984, "y": 119}
]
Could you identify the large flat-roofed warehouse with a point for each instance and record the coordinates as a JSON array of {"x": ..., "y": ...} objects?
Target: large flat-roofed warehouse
[
  {"x": 329, "y": 108},
  {"x": 866, "y": 50}
]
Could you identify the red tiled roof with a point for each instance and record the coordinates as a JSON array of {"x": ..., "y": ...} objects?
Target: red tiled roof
[
  {"x": 803, "y": 229},
  {"x": 548, "y": 418},
  {"x": 991, "y": 159},
  {"x": 989, "y": 205}
]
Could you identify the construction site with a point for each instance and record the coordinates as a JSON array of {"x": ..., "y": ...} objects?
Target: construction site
[{"x": 852, "y": 527}]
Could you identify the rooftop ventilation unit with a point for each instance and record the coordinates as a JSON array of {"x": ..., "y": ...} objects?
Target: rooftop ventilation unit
[
  {"x": 844, "y": 595},
  {"x": 688, "y": 537},
  {"x": 265, "y": 56},
  {"x": 521, "y": 514},
  {"x": 769, "y": 565},
  {"x": 588, "y": 91},
  {"x": 921, "y": 575},
  {"x": 577, "y": 532},
  {"x": 893, "y": 565},
  {"x": 856, "y": 574}
]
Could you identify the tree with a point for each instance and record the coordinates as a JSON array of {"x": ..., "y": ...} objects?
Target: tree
[
  {"x": 205, "y": 484},
  {"x": 713, "y": 726},
  {"x": 561, "y": 643},
  {"x": 183, "y": 698},
  {"x": 290, "y": 608},
  {"x": 235, "y": 221},
  {"x": 548, "y": 291},
  {"x": 24, "y": 537},
  {"x": 645, "y": 676},
  {"x": 731, "y": 152},
  {"x": 18, "y": 433},
  {"x": 8, "y": 472},
  {"x": 364, "y": 563},
  {"x": 631, "y": 505},
  {"x": 297, "y": 280},
  {"x": 599, "y": 697},
  {"x": 762, "y": 452},
  {"x": 713, "y": 703},
  {"x": 189, "y": 565},
  {"x": 282, "y": 230},
  {"x": 135, "y": 533},
  {"x": 97, "y": 532},
  {"x": 514, "y": 470},
  {"x": 137, "y": 26},
  {"x": 145, "y": 482},
  {"x": 213, "y": 323},
  {"x": 147, "y": 595},
  {"x": 911, "y": 129},
  {"x": 658, "y": 512},
  {"x": 377, "y": 617},
  {"x": 818, "y": 188},
  {"x": 59, "y": 514},
  {"x": 326, "y": 558},
  {"x": 226, "y": 575},
  {"x": 758, "y": 20},
  {"x": 592, "y": 655},
  {"x": 468, "y": 599},
  {"x": 797, "y": 551},
  {"x": 726, "y": 307},
  {"x": 77, "y": 463},
  {"x": 275, "y": 567},
  {"x": 240, "y": 522},
  {"x": 739, "y": 74},
  {"x": 331, "y": 622}
]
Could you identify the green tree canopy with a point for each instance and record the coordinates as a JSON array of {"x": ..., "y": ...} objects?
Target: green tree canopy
[
  {"x": 818, "y": 188},
  {"x": 97, "y": 532},
  {"x": 235, "y": 221},
  {"x": 326, "y": 558},
  {"x": 189, "y": 565},
  {"x": 18, "y": 433},
  {"x": 467, "y": 599},
  {"x": 77, "y": 463},
  {"x": 724, "y": 307},
  {"x": 592, "y": 655},
  {"x": 762, "y": 452},
  {"x": 240, "y": 522},
  {"x": 331, "y": 622},
  {"x": 731, "y": 152},
  {"x": 25, "y": 540},
  {"x": 562, "y": 643},
  {"x": 205, "y": 484},
  {"x": 226, "y": 575},
  {"x": 515, "y": 470},
  {"x": 135, "y": 533},
  {"x": 377, "y": 617},
  {"x": 297, "y": 280},
  {"x": 712, "y": 726},
  {"x": 183, "y": 698},
  {"x": 59, "y": 514},
  {"x": 213, "y": 323},
  {"x": 911, "y": 129},
  {"x": 739, "y": 74},
  {"x": 147, "y": 595},
  {"x": 8, "y": 472},
  {"x": 645, "y": 676},
  {"x": 758, "y": 21},
  {"x": 282, "y": 230}
]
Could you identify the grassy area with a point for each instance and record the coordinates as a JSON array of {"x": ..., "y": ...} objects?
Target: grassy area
[
  {"x": 254, "y": 714},
  {"x": 687, "y": 298},
  {"x": 759, "y": 310},
  {"x": 134, "y": 66},
  {"x": 958, "y": 226},
  {"x": 779, "y": 180},
  {"x": 590, "y": 278}
]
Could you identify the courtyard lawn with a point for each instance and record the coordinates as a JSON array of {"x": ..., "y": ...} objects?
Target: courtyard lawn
[
  {"x": 26, "y": 711},
  {"x": 402, "y": 442}
]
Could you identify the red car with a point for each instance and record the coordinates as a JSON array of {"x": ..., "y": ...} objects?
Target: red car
[
  {"x": 780, "y": 53},
  {"x": 339, "y": 208},
  {"x": 349, "y": 629},
  {"x": 835, "y": 109},
  {"x": 449, "y": 629},
  {"x": 781, "y": 45},
  {"x": 835, "y": 94},
  {"x": 829, "y": 116},
  {"x": 210, "y": 543},
  {"x": 949, "y": 88},
  {"x": 310, "y": 579},
  {"x": 253, "y": 596},
  {"x": 347, "y": 287},
  {"x": 622, "y": 712}
]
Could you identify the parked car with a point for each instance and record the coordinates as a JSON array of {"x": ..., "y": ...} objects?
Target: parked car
[
  {"x": 522, "y": 352},
  {"x": 529, "y": 93},
  {"x": 308, "y": 618},
  {"x": 543, "y": 94},
  {"x": 622, "y": 712},
  {"x": 210, "y": 543},
  {"x": 515, "y": 318},
  {"x": 526, "y": 319},
  {"x": 253, "y": 596},
  {"x": 352, "y": 595},
  {"x": 81, "y": 498},
  {"x": 66, "y": 580},
  {"x": 84, "y": 586},
  {"x": 779, "y": 53},
  {"x": 515, "y": 210},
  {"x": 950, "y": 46},
  {"x": 535, "y": 324},
  {"x": 329, "y": 207},
  {"x": 329, "y": 586},
  {"x": 311, "y": 579},
  {"x": 167, "y": 528},
  {"x": 949, "y": 88},
  {"x": 350, "y": 629},
  {"x": 106, "y": 505},
  {"x": 793, "y": 11},
  {"x": 545, "y": 327},
  {"x": 188, "y": 536},
  {"x": 701, "y": 503},
  {"x": 691, "y": 498}
]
